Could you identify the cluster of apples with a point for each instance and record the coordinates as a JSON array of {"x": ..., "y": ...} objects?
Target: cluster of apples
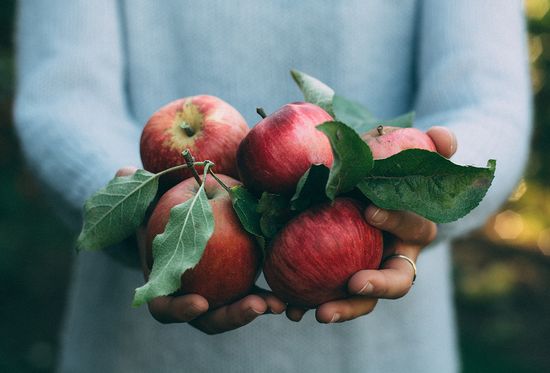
[{"x": 310, "y": 259}]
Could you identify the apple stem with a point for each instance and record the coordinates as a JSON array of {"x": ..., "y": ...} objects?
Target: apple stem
[
  {"x": 189, "y": 131},
  {"x": 179, "y": 167},
  {"x": 261, "y": 112},
  {"x": 219, "y": 181},
  {"x": 190, "y": 162},
  {"x": 380, "y": 130}
]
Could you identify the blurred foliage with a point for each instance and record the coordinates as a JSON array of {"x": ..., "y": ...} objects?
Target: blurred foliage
[
  {"x": 539, "y": 46},
  {"x": 502, "y": 280},
  {"x": 503, "y": 302}
]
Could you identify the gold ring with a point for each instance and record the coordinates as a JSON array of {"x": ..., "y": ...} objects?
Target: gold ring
[{"x": 407, "y": 259}]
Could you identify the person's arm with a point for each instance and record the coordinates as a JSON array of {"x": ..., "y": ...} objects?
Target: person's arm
[
  {"x": 473, "y": 78},
  {"x": 72, "y": 118},
  {"x": 71, "y": 106}
]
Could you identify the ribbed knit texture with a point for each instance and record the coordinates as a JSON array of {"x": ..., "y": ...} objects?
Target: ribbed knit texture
[{"x": 90, "y": 73}]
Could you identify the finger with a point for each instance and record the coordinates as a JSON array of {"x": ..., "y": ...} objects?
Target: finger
[
  {"x": 444, "y": 140},
  {"x": 345, "y": 309},
  {"x": 405, "y": 225},
  {"x": 295, "y": 313},
  {"x": 392, "y": 281},
  {"x": 232, "y": 316},
  {"x": 274, "y": 304},
  {"x": 126, "y": 171},
  {"x": 184, "y": 308}
]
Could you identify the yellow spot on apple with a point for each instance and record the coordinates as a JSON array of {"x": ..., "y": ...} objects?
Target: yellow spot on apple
[{"x": 187, "y": 125}]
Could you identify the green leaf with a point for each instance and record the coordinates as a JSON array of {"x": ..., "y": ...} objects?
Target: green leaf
[
  {"x": 353, "y": 114},
  {"x": 114, "y": 212},
  {"x": 428, "y": 184},
  {"x": 246, "y": 208},
  {"x": 311, "y": 188},
  {"x": 403, "y": 121},
  {"x": 352, "y": 158},
  {"x": 315, "y": 91},
  {"x": 361, "y": 119},
  {"x": 275, "y": 212},
  {"x": 179, "y": 247}
]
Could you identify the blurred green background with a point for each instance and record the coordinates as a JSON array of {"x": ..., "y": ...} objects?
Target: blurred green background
[{"x": 502, "y": 272}]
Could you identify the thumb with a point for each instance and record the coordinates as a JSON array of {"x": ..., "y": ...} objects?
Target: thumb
[
  {"x": 126, "y": 171},
  {"x": 444, "y": 140}
]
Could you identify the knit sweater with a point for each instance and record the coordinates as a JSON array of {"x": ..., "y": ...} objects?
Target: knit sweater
[{"x": 90, "y": 73}]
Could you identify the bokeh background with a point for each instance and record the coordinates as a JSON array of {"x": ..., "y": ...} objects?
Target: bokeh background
[{"x": 502, "y": 271}]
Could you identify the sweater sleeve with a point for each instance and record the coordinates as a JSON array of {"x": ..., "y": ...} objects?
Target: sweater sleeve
[
  {"x": 71, "y": 107},
  {"x": 473, "y": 78}
]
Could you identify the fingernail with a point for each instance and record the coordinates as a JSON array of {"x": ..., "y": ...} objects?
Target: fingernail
[
  {"x": 277, "y": 312},
  {"x": 453, "y": 137},
  {"x": 335, "y": 318},
  {"x": 453, "y": 142},
  {"x": 193, "y": 311},
  {"x": 367, "y": 289},
  {"x": 126, "y": 171},
  {"x": 377, "y": 216},
  {"x": 255, "y": 311}
]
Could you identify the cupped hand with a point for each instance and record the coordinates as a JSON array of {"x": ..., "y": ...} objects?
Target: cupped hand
[
  {"x": 194, "y": 309},
  {"x": 406, "y": 234}
]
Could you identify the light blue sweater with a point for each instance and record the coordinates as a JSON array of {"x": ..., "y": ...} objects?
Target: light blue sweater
[{"x": 90, "y": 73}]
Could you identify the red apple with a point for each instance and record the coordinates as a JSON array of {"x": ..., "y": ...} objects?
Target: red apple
[
  {"x": 312, "y": 258},
  {"x": 386, "y": 141},
  {"x": 230, "y": 262},
  {"x": 281, "y": 147},
  {"x": 211, "y": 129}
]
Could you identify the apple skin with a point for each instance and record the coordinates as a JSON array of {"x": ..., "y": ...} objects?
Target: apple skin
[
  {"x": 216, "y": 130},
  {"x": 282, "y": 146},
  {"x": 312, "y": 258},
  {"x": 230, "y": 262},
  {"x": 387, "y": 141}
]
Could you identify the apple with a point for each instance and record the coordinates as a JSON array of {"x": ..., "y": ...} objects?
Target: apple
[
  {"x": 311, "y": 259},
  {"x": 230, "y": 262},
  {"x": 282, "y": 146},
  {"x": 386, "y": 141},
  {"x": 206, "y": 125}
]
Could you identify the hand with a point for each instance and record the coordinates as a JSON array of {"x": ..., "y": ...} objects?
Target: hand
[
  {"x": 408, "y": 235},
  {"x": 193, "y": 308}
]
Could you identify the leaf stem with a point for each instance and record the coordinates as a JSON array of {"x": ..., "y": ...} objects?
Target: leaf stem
[
  {"x": 178, "y": 167},
  {"x": 190, "y": 161},
  {"x": 219, "y": 181}
]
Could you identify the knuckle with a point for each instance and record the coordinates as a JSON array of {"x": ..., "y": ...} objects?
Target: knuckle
[
  {"x": 210, "y": 331},
  {"x": 425, "y": 232},
  {"x": 405, "y": 286},
  {"x": 160, "y": 318},
  {"x": 205, "y": 327},
  {"x": 393, "y": 221},
  {"x": 432, "y": 232},
  {"x": 369, "y": 309},
  {"x": 365, "y": 310}
]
